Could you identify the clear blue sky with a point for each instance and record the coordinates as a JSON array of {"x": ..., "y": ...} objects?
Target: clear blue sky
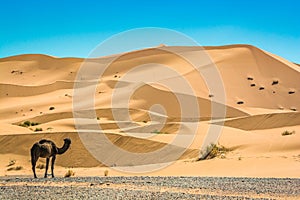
[{"x": 73, "y": 28}]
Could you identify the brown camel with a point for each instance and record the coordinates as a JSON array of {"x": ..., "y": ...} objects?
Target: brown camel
[{"x": 46, "y": 149}]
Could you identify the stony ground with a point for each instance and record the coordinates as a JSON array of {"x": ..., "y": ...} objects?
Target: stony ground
[{"x": 149, "y": 188}]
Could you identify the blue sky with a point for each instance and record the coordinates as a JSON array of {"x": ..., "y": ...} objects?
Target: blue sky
[{"x": 68, "y": 28}]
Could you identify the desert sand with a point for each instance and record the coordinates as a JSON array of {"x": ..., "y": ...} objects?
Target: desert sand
[{"x": 262, "y": 102}]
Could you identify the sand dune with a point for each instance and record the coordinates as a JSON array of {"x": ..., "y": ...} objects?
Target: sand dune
[{"x": 262, "y": 93}]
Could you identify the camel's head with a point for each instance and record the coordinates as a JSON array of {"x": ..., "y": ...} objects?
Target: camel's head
[{"x": 67, "y": 141}]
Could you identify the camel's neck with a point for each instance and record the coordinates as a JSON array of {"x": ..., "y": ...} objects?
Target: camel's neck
[{"x": 63, "y": 149}]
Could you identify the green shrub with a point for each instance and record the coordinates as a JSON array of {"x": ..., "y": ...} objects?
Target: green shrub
[
  {"x": 38, "y": 129},
  {"x": 34, "y": 123},
  {"x": 27, "y": 123},
  {"x": 288, "y": 133},
  {"x": 159, "y": 132},
  {"x": 23, "y": 125}
]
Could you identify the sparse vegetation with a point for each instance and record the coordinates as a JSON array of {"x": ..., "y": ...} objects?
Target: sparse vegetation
[
  {"x": 252, "y": 85},
  {"x": 28, "y": 124},
  {"x": 38, "y": 129},
  {"x": 69, "y": 173},
  {"x": 51, "y": 108},
  {"x": 11, "y": 163},
  {"x": 106, "y": 172},
  {"x": 15, "y": 168},
  {"x": 159, "y": 132},
  {"x": 40, "y": 166},
  {"x": 250, "y": 78},
  {"x": 213, "y": 151},
  {"x": 261, "y": 88},
  {"x": 288, "y": 133},
  {"x": 34, "y": 123},
  {"x": 240, "y": 102}
]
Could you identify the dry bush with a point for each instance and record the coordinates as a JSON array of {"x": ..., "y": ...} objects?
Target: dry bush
[
  {"x": 11, "y": 162},
  {"x": 69, "y": 173},
  {"x": 288, "y": 133},
  {"x": 213, "y": 151},
  {"x": 106, "y": 172},
  {"x": 15, "y": 168},
  {"x": 40, "y": 166}
]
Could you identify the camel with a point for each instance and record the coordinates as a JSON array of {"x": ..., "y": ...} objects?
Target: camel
[{"x": 47, "y": 149}]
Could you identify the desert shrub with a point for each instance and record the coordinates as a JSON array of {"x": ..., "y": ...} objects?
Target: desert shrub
[
  {"x": 40, "y": 166},
  {"x": 159, "y": 132},
  {"x": 23, "y": 125},
  {"x": 69, "y": 173},
  {"x": 11, "y": 162},
  {"x": 15, "y": 168},
  {"x": 34, "y": 123},
  {"x": 18, "y": 167},
  {"x": 27, "y": 123},
  {"x": 213, "y": 151},
  {"x": 106, "y": 172},
  {"x": 38, "y": 129},
  {"x": 51, "y": 108},
  {"x": 288, "y": 133}
]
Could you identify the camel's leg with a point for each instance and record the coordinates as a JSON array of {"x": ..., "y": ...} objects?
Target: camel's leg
[
  {"x": 47, "y": 165},
  {"x": 34, "y": 159},
  {"x": 52, "y": 165}
]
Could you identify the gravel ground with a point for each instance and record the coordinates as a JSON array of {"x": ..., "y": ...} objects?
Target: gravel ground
[{"x": 149, "y": 188}]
